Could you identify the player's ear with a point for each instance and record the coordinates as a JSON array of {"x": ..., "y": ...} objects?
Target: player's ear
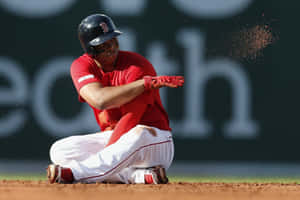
[{"x": 117, "y": 42}]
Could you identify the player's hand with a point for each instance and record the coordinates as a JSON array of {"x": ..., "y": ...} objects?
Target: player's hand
[{"x": 155, "y": 82}]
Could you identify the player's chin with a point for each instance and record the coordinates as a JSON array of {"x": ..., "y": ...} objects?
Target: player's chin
[
  {"x": 108, "y": 59},
  {"x": 112, "y": 59}
]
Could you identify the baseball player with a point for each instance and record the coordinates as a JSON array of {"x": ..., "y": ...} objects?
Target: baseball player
[{"x": 135, "y": 143}]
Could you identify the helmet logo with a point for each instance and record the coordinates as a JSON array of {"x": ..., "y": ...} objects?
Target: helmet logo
[{"x": 104, "y": 27}]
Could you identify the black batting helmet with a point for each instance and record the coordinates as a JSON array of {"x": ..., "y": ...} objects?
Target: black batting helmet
[{"x": 94, "y": 30}]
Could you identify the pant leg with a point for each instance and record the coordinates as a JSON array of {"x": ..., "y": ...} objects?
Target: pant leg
[
  {"x": 137, "y": 148},
  {"x": 157, "y": 155},
  {"x": 78, "y": 147}
]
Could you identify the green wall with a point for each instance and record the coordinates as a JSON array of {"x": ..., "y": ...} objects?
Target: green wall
[{"x": 229, "y": 109}]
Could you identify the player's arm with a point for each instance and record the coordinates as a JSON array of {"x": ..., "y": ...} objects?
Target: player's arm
[
  {"x": 110, "y": 97},
  {"x": 90, "y": 89},
  {"x": 133, "y": 114}
]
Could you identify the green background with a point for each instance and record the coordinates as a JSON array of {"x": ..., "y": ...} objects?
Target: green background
[{"x": 273, "y": 76}]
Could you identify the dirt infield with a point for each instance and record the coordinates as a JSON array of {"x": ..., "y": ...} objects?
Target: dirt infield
[{"x": 37, "y": 190}]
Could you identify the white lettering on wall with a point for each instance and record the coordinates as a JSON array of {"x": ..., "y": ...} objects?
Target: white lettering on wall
[
  {"x": 124, "y": 7},
  {"x": 14, "y": 95},
  {"x": 36, "y": 8},
  {"x": 211, "y": 8},
  {"x": 197, "y": 73}
]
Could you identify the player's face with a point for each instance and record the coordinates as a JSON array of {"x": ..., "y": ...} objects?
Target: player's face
[{"x": 108, "y": 53}]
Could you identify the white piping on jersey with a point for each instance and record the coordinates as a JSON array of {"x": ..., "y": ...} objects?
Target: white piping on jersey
[{"x": 85, "y": 77}]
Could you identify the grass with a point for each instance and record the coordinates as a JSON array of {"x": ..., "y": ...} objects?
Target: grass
[
  {"x": 202, "y": 179},
  {"x": 32, "y": 177}
]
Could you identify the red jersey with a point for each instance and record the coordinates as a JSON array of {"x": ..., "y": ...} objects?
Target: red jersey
[{"x": 129, "y": 67}]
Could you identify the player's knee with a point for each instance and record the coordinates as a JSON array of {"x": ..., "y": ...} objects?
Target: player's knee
[
  {"x": 59, "y": 149},
  {"x": 54, "y": 152}
]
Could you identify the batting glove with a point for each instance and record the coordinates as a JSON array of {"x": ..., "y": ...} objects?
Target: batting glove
[{"x": 155, "y": 82}]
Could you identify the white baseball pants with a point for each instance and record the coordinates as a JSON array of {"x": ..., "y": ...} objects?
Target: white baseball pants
[{"x": 124, "y": 161}]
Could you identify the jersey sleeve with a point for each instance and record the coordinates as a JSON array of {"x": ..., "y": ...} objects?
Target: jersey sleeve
[{"x": 82, "y": 73}]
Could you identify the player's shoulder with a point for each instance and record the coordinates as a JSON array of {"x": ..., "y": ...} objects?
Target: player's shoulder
[{"x": 82, "y": 61}]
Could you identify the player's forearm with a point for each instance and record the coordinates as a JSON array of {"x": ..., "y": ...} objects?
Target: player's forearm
[
  {"x": 111, "y": 97},
  {"x": 116, "y": 96}
]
